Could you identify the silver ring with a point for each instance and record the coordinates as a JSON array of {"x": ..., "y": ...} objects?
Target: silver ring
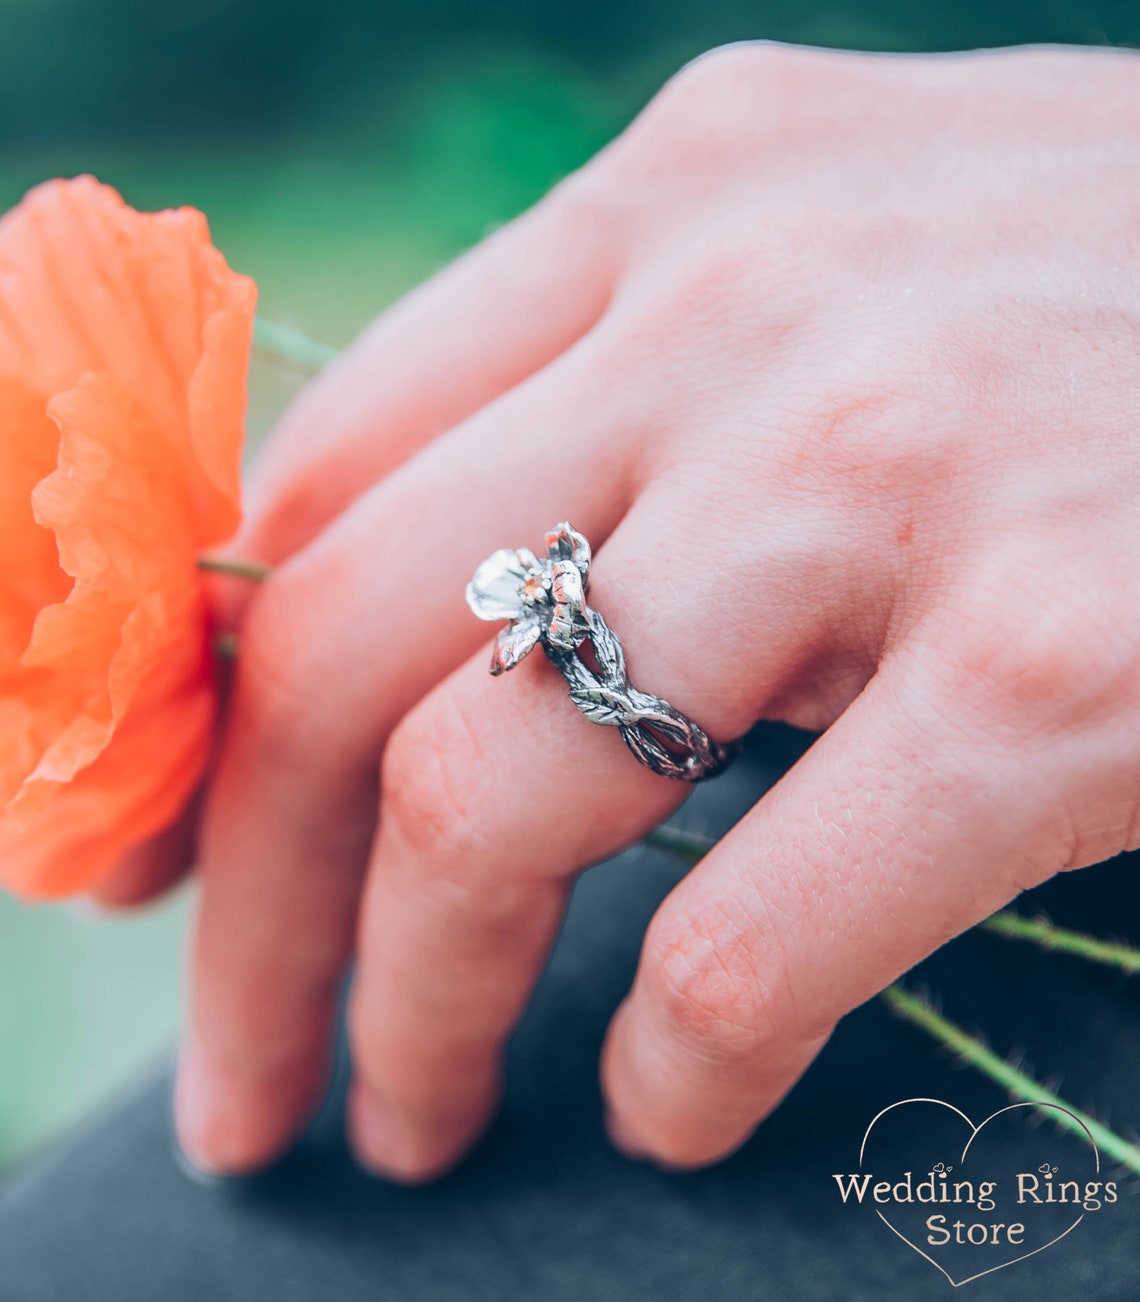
[{"x": 545, "y": 601}]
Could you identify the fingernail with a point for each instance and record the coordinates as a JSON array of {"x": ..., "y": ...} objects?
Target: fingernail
[
  {"x": 377, "y": 1136},
  {"x": 192, "y": 1094},
  {"x": 623, "y": 1140},
  {"x": 198, "y": 1171}
]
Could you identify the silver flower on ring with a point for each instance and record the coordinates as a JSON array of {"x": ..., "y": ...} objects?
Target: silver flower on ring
[{"x": 545, "y": 599}]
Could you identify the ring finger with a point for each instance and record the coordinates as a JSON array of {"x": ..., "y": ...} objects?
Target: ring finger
[{"x": 495, "y": 794}]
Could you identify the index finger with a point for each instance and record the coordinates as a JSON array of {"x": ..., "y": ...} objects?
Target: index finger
[{"x": 481, "y": 326}]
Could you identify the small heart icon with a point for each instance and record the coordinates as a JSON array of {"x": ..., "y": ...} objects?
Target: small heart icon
[{"x": 1002, "y": 1207}]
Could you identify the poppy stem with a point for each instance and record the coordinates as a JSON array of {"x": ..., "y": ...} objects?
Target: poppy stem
[
  {"x": 1041, "y": 932},
  {"x": 1021, "y": 1086},
  {"x": 688, "y": 845},
  {"x": 254, "y": 571},
  {"x": 290, "y": 347},
  {"x": 226, "y": 646}
]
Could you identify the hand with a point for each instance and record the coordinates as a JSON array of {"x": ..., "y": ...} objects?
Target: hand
[{"x": 835, "y": 360}]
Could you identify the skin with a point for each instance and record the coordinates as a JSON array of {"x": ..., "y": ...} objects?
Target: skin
[{"x": 834, "y": 359}]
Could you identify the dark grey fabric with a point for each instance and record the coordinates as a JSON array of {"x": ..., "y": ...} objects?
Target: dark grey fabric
[{"x": 545, "y": 1210}]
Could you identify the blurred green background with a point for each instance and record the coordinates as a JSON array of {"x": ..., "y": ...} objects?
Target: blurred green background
[{"x": 342, "y": 149}]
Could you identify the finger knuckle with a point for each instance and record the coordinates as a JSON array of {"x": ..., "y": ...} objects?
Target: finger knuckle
[
  {"x": 860, "y": 436},
  {"x": 582, "y": 209},
  {"x": 1023, "y": 666},
  {"x": 730, "y": 101},
  {"x": 433, "y": 797},
  {"x": 707, "y": 984},
  {"x": 714, "y": 82},
  {"x": 724, "y": 298},
  {"x": 1038, "y": 647},
  {"x": 691, "y": 115},
  {"x": 718, "y": 283}
]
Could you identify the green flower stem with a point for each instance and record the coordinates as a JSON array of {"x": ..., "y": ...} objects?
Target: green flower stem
[
  {"x": 254, "y": 571},
  {"x": 1040, "y": 932},
  {"x": 226, "y": 646},
  {"x": 689, "y": 845},
  {"x": 914, "y": 1009},
  {"x": 290, "y": 346}
]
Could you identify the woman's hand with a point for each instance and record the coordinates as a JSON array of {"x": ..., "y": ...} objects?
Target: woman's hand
[{"x": 835, "y": 360}]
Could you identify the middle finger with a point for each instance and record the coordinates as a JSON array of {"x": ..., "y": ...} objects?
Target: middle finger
[{"x": 341, "y": 642}]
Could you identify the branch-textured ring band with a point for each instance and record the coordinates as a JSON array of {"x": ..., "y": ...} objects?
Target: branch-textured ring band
[{"x": 545, "y": 601}]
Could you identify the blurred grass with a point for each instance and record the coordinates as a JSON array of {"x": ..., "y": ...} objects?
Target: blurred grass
[
  {"x": 332, "y": 231},
  {"x": 84, "y": 1005}
]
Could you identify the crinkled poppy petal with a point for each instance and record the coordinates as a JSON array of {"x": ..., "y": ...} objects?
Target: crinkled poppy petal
[
  {"x": 124, "y": 342},
  {"x": 29, "y": 566},
  {"x": 29, "y": 575},
  {"x": 116, "y": 683},
  {"x": 58, "y": 839},
  {"x": 217, "y": 396},
  {"x": 88, "y": 284},
  {"x": 122, "y": 523}
]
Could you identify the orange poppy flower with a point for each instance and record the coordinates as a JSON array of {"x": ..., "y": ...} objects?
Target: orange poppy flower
[{"x": 124, "y": 347}]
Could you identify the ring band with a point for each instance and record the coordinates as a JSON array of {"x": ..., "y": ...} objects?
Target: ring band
[{"x": 545, "y": 602}]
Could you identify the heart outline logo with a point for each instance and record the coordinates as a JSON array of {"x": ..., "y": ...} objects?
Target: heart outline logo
[{"x": 974, "y": 1132}]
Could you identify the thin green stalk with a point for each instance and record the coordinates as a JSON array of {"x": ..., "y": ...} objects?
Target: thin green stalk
[
  {"x": 1040, "y": 932},
  {"x": 916, "y": 1010},
  {"x": 226, "y": 646},
  {"x": 290, "y": 346},
  {"x": 689, "y": 845},
  {"x": 254, "y": 571}
]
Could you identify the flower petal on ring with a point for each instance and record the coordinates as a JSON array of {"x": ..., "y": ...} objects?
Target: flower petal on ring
[
  {"x": 568, "y": 627},
  {"x": 564, "y": 543},
  {"x": 495, "y": 591},
  {"x": 513, "y": 643},
  {"x": 566, "y": 584}
]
